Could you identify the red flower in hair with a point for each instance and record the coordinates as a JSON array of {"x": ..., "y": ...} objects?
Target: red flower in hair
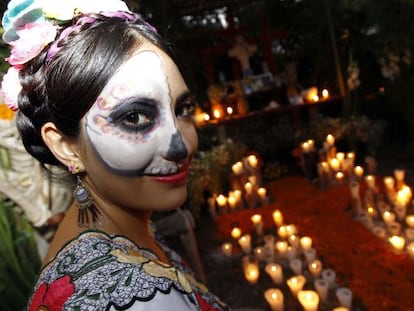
[{"x": 52, "y": 297}]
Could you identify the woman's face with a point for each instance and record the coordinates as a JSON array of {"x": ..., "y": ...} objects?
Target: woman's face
[{"x": 139, "y": 135}]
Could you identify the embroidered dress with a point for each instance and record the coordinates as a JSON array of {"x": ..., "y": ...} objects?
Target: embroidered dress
[{"x": 96, "y": 271}]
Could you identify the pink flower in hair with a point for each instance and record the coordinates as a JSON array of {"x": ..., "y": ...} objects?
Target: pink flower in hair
[
  {"x": 11, "y": 87},
  {"x": 33, "y": 37}
]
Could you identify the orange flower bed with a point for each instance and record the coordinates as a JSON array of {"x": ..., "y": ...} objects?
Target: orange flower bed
[{"x": 380, "y": 277}]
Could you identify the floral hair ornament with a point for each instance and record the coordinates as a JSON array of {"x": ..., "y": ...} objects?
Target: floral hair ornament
[{"x": 30, "y": 25}]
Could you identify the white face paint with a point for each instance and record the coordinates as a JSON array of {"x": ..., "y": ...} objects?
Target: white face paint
[{"x": 132, "y": 123}]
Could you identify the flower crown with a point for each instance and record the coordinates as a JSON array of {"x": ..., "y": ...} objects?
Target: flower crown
[{"x": 31, "y": 25}]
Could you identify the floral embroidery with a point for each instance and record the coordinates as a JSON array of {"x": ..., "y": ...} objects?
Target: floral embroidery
[
  {"x": 112, "y": 271},
  {"x": 52, "y": 297}
]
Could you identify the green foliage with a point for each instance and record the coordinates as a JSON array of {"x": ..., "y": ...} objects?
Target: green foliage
[{"x": 19, "y": 259}]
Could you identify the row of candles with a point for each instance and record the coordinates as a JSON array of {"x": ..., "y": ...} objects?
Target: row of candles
[
  {"x": 287, "y": 250},
  {"x": 389, "y": 217},
  {"x": 247, "y": 191}
]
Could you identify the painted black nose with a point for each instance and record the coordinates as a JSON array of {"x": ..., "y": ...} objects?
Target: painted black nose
[{"x": 177, "y": 149}]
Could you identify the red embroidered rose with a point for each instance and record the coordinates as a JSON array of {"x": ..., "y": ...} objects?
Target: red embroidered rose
[{"x": 52, "y": 297}]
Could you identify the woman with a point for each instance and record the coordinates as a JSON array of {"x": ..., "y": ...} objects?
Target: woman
[{"x": 98, "y": 93}]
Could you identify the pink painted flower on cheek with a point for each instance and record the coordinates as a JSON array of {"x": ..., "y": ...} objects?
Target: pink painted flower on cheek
[
  {"x": 33, "y": 38},
  {"x": 10, "y": 88}
]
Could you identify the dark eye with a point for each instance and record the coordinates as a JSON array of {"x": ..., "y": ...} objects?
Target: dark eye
[
  {"x": 134, "y": 115},
  {"x": 186, "y": 108}
]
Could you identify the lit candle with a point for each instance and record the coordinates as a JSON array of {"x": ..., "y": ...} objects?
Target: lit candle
[
  {"x": 275, "y": 272},
  {"x": 232, "y": 201},
  {"x": 330, "y": 139},
  {"x": 398, "y": 242},
  {"x": 281, "y": 247},
  {"x": 399, "y": 175},
  {"x": 370, "y": 181},
  {"x": 236, "y": 233},
  {"x": 248, "y": 187},
  {"x": 322, "y": 287},
  {"x": 274, "y": 298},
  {"x": 309, "y": 300},
  {"x": 305, "y": 242},
  {"x": 340, "y": 156},
  {"x": 245, "y": 243},
  {"x": 344, "y": 296},
  {"x": 329, "y": 276},
  {"x": 294, "y": 240},
  {"x": 237, "y": 168},
  {"x": 253, "y": 161},
  {"x": 291, "y": 229},
  {"x": 217, "y": 113},
  {"x": 388, "y": 217},
  {"x": 339, "y": 176},
  {"x": 340, "y": 309},
  {"x": 315, "y": 268},
  {"x": 325, "y": 167},
  {"x": 259, "y": 253},
  {"x": 251, "y": 272},
  {"x": 410, "y": 249},
  {"x": 358, "y": 171},
  {"x": 311, "y": 144},
  {"x": 206, "y": 117},
  {"x": 325, "y": 93},
  {"x": 305, "y": 147},
  {"x": 229, "y": 110},
  {"x": 277, "y": 218},
  {"x": 409, "y": 220},
  {"x": 296, "y": 284},
  {"x": 257, "y": 222},
  {"x": 221, "y": 201},
  {"x": 227, "y": 248},
  {"x": 334, "y": 164},
  {"x": 282, "y": 232},
  {"x": 389, "y": 183},
  {"x": 262, "y": 193}
]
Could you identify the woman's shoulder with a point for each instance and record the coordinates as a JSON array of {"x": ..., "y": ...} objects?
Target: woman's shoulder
[{"x": 95, "y": 271}]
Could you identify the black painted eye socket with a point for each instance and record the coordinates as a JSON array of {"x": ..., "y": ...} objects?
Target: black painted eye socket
[{"x": 135, "y": 115}]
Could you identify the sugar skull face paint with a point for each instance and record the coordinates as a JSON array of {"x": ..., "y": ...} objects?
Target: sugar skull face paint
[{"x": 133, "y": 124}]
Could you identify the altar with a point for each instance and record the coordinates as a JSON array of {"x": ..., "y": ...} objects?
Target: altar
[{"x": 379, "y": 277}]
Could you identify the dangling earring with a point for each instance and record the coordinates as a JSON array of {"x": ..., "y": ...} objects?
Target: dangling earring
[{"x": 84, "y": 201}]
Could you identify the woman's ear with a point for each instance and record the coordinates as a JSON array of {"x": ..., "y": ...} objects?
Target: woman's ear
[{"x": 64, "y": 150}]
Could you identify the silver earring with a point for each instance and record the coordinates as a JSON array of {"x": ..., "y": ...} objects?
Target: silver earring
[{"x": 85, "y": 204}]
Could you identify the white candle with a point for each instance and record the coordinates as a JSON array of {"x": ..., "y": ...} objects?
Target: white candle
[
  {"x": 232, "y": 201},
  {"x": 322, "y": 287},
  {"x": 274, "y": 298},
  {"x": 245, "y": 243},
  {"x": 410, "y": 249},
  {"x": 305, "y": 147},
  {"x": 305, "y": 242},
  {"x": 339, "y": 176},
  {"x": 340, "y": 156},
  {"x": 388, "y": 217},
  {"x": 296, "y": 284},
  {"x": 251, "y": 272},
  {"x": 237, "y": 168},
  {"x": 344, "y": 296},
  {"x": 282, "y": 232},
  {"x": 248, "y": 187},
  {"x": 309, "y": 300},
  {"x": 293, "y": 240},
  {"x": 330, "y": 139},
  {"x": 358, "y": 171},
  {"x": 398, "y": 242},
  {"x": 296, "y": 265},
  {"x": 257, "y": 222},
  {"x": 221, "y": 202},
  {"x": 310, "y": 254},
  {"x": 291, "y": 229},
  {"x": 370, "y": 181},
  {"x": 236, "y": 233},
  {"x": 259, "y": 253},
  {"x": 262, "y": 193},
  {"x": 275, "y": 272},
  {"x": 409, "y": 220},
  {"x": 315, "y": 268},
  {"x": 389, "y": 183},
  {"x": 277, "y": 217},
  {"x": 281, "y": 247},
  {"x": 334, "y": 164},
  {"x": 329, "y": 276},
  {"x": 227, "y": 248},
  {"x": 325, "y": 93},
  {"x": 252, "y": 160}
]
